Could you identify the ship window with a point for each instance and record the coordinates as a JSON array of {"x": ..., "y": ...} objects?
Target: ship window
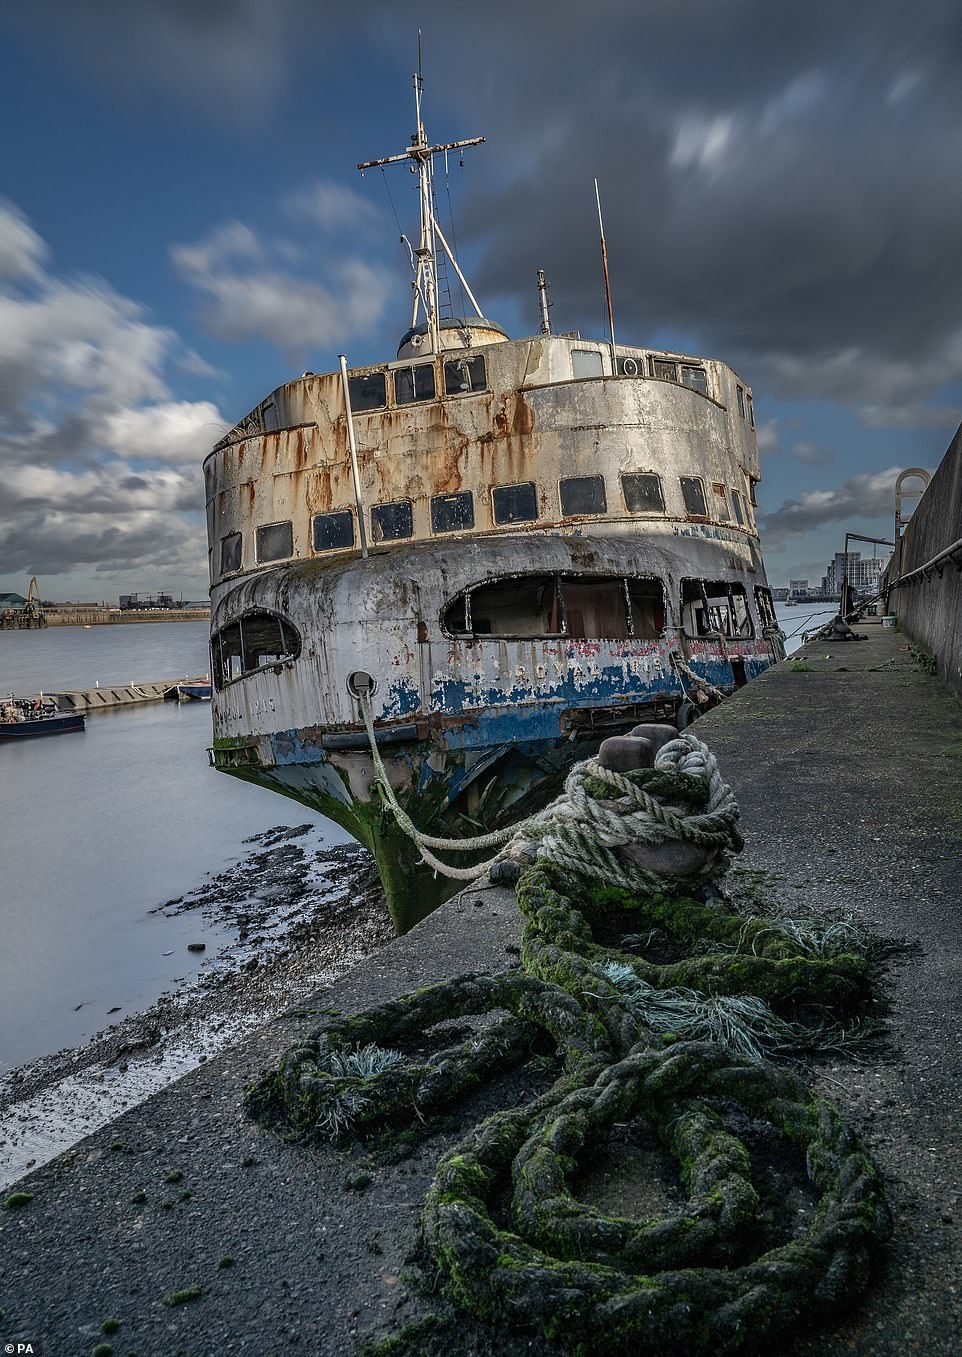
[
  {"x": 515, "y": 503},
  {"x": 696, "y": 378},
  {"x": 643, "y": 493},
  {"x": 721, "y": 502},
  {"x": 525, "y": 606},
  {"x": 751, "y": 411},
  {"x": 694, "y": 494},
  {"x": 737, "y": 506},
  {"x": 665, "y": 369},
  {"x": 275, "y": 541},
  {"x": 392, "y": 521},
  {"x": 740, "y": 396},
  {"x": 257, "y": 641},
  {"x": 751, "y": 490},
  {"x": 646, "y": 602},
  {"x": 414, "y": 384},
  {"x": 586, "y": 363},
  {"x": 464, "y": 375},
  {"x": 595, "y": 609},
  {"x": 333, "y": 532},
  {"x": 230, "y": 553},
  {"x": 582, "y": 607},
  {"x": 452, "y": 513},
  {"x": 766, "y": 608},
  {"x": 715, "y": 608},
  {"x": 368, "y": 391},
  {"x": 583, "y": 495}
]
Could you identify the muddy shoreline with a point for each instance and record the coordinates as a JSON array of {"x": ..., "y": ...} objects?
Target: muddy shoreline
[{"x": 296, "y": 915}]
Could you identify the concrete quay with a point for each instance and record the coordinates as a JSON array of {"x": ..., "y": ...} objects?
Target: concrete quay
[{"x": 847, "y": 763}]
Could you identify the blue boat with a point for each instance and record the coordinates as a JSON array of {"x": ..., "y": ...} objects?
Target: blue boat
[
  {"x": 194, "y": 692},
  {"x": 22, "y": 718}
]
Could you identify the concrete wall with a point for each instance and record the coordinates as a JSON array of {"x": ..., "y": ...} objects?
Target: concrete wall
[{"x": 929, "y": 608}]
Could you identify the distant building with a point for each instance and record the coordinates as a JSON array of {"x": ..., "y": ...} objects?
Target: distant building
[
  {"x": 863, "y": 575},
  {"x": 12, "y": 600},
  {"x": 798, "y": 588},
  {"x": 144, "y": 602}
]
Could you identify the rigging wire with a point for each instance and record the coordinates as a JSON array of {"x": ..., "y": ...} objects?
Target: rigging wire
[{"x": 454, "y": 234}]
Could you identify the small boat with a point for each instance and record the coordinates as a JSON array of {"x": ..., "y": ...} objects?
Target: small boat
[
  {"x": 21, "y": 717},
  {"x": 194, "y": 692}
]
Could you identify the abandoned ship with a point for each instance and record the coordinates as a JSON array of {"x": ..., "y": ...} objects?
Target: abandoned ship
[{"x": 508, "y": 548}]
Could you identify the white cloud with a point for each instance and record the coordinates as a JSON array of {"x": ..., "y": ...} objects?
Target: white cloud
[
  {"x": 331, "y": 205},
  {"x": 870, "y": 495},
  {"x": 22, "y": 252},
  {"x": 171, "y": 431},
  {"x": 700, "y": 142},
  {"x": 99, "y": 463},
  {"x": 249, "y": 294},
  {"x": 767, "y": 435}
]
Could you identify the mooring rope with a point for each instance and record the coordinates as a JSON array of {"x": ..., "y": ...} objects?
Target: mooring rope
[{"x": 583, "y": 832}]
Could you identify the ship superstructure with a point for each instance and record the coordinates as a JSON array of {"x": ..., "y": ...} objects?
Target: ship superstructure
[{"x": 535, "y": 543}]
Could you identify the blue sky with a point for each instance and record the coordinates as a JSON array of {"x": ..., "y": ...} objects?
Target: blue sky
[{"x": 182, "y": 228}]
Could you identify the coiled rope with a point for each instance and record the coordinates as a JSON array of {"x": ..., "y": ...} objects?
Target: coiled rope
[{"x": 583, "y": 832}]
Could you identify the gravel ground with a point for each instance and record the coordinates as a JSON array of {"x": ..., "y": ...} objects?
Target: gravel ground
[{"x": 849, "y": 774}]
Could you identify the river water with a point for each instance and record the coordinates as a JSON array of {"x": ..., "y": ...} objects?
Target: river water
[{"x": 99, "y": 828}]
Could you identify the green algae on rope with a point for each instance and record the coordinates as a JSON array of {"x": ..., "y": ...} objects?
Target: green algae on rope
[{"x": 502, "y": 1225}]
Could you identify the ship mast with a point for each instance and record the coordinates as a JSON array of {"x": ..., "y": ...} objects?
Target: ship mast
[{"x": 421, "y": 155}]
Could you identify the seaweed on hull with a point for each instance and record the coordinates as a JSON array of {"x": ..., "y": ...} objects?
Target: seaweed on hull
[{"x": 670, "y": 1012}]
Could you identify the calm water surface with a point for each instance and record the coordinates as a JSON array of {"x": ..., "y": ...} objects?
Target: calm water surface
[{"x": 98, "y": 828}]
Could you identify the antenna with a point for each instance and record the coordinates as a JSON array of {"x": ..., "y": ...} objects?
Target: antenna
[
  {"x": 421, "y": 155},
  {"x": 604, "y": 266},
  {"x": 543, "y": 286}
]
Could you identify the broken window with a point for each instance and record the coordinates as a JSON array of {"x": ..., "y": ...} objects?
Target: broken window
[
  {"x": 751, "y": 411},
  {"x": 646, "y": 604},
  {"x": 393, "y": 521},
  {"x": 715, "y": 608},
  {"x": 464, "y": 375},
  {"x": 515, "y": 503},
  {"x": 257, "y": 640},
  {"x": 693, "y": 491},
  {"x": 230, "y": 553},
  {"x": 452, "y": 513},
  {"x": 664, "y": 368},
  {"x": 766, "y": 607},
  {"x": 275, "y": 541},
  {"x": 643, "y": 493},
  {"x": 414, "y": 384},
  {"x": 583, "y": 495},
  {"x": 368, "y": 391},
  {"x": 524, "y": 606},
  {"x": 586, "y": 363},
  {"x": 582, "y": 607},
  {"x": 740, "y": 397},
  {"x": 331, "y": 532},
  {"x": 721, "y": 501},
  {"x": 737, "y": 506},
  {"x": 696, "y": 378},
  {"x": 226, "y": 655},
  {"x": 595, "y": 609}
]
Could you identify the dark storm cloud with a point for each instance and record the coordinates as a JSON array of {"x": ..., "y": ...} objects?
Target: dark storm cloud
[{"x": 782, "y": 182}]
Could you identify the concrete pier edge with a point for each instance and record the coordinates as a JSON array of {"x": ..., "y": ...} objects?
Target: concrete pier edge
[{"x": 847, "y": 763}]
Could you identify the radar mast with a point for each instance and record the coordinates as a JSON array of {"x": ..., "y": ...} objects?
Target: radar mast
[{"x": 420, "y": 154}]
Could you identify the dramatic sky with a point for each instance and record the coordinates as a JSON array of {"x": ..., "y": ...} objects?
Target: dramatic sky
[{"x": 182, "y": 229}]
